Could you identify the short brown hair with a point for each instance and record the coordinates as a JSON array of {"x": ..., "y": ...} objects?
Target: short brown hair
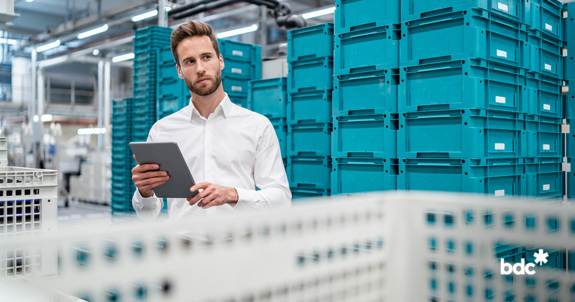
[{"x": 192, "y": 29}]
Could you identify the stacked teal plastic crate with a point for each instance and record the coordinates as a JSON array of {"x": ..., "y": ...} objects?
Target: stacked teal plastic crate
[
  {"x": 569, "y": 99},
  {"x": 479, "y": 97},
  {"x": 243, "y": 62},
  {"x": 269, "y": 98},
  {"x": 122, "y": 162},
  {"x": 365, "y": 120},
  {"x": 309, "y": 87},
  {"x": 171, "y": 90}
]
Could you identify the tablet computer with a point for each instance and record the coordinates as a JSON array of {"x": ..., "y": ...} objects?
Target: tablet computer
[{"x": 168, "y": 156}]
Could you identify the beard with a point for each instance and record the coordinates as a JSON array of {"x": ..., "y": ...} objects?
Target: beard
[{"x": 205, "y": 89}]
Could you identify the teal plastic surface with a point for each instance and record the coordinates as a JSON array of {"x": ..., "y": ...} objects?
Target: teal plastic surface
[
  {"x": 310, "y": 75},
  {"x": 309, "y": 172},
  {"x": 546, "y": 56},
  {"x": 544, "y": 95},
  {"x": 170, "y": 87},
  {"x": 351, "y": 15},
  {"x": 235, "y": 85},
  {"x": 545, "y": 178},
  {"x": 376, "y": 90},
  {"x": 168, "y": 105},
  {"x": 416, "y": 9},
  {"x": 367, "y": 50},
  {"x": 358, "y": 175},
  {"x": 495, "y": 177},
  {"x": 364, "y": 135},
  {"x": 569, "y": 60},
  {"x": 309, "y": 107},
  {"x": 461, "y": 134},
  {"x": 544, "y": 138},
  {"x": 309, "y": 140},
  {"x": 240, "y": 99},
  {"x": 299, "y": 193},
  {"x": 569, "y": 22},
  {"x": 545, "y": 16},
  {"x": 459, "y": 36},
  {"x": 240, "y": 51},
  {"x": 310, "y": 42},
  {"x": 268, "y": 97},
  {"x": 463, "y": 84},
  {"x": 242, "y": 69}
]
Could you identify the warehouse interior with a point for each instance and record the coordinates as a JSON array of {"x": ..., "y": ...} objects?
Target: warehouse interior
[{"x": 422, "y": 98}]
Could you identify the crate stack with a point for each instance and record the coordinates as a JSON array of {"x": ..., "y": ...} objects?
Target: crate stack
[
  {"x": 479, "y": 98},
  {"x": 147, "y": 43},
  {"x": 243, "y": 62},
  {"x": 122, "y": 161},
  {"x": 569, "y": 98},
  {"x": 28, "y": 207},
  {"x": 365, "y": 121},
  {"x": 309, "y": 87},
  {"x": 269, "y": 98},
  {"x": 171, "y": 90}
]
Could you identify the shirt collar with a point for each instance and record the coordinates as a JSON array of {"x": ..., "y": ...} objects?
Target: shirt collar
[{"x": 224, "y": 108}]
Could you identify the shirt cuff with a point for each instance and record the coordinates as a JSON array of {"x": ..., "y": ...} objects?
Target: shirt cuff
[
  {"x": 140, "y": 202},
  {"x": 246, "y": 199}
]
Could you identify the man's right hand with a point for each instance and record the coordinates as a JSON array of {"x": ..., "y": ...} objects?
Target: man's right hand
[{"x": 147, "y": 177}]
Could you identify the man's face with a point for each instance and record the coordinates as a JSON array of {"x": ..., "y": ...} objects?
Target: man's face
[{"x": 199, "y": 66}]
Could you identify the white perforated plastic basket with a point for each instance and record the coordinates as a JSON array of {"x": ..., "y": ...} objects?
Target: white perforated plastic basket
[
  {"x": 28, "y": 207},
  {"x": 389, "y": 247}
]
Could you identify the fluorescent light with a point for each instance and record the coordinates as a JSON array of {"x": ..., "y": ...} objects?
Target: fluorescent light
[
  {"x": 238, "y": 31},
  {"x": 96, "y": 52},
  {"x": 144, "y": 16},
  {"x": 123, "y": 57},
  {"x": 90, "y": 131},
  {"x": 29, "y": 0},
  {"x": 48, "y": 46},
  {"x": 8, "y": 41},
  {"x": 45, "y": 118},
  {"x": 318, "y": 13},
  {"x": 94, "y": 31},
  {"x": 167, "y": 8}
]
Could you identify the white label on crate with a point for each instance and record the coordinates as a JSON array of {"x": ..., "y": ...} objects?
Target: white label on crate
[
  {"x": 499, "y": 146},
  {"x": 500, "y": 99},
  {"x": 546, "y": 147},
  {"x": 238, "y": 53},
  {"x": 499, "y": 193},
  {"x": 236, "y": 70},
  {"x": 547, "y": 66},
  {"x": 502, "y": 53},
  {"x": 502, "y": 6},
  {"x": 236, "y": 88},
  {"x": 546, "y": 107},
  {"x": 548, "y": 27},
  {"x": 546, "y": 187}
]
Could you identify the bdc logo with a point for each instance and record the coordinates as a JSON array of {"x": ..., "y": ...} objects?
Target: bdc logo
[{"x": 522, "y": 268}]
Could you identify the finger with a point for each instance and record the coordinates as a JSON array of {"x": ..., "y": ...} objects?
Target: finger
[
  {"x": 145, "y": 168},
  {"x": 200, "y": 185},
  {"x": 148, "y": 181},
  {"x": 212, "y": 200},
  {"x": 211, "y": 195},
  {"x": 151, "y": 186},
  {"x": 149, "y": 175},
  {"x": 192, "y": 201}
]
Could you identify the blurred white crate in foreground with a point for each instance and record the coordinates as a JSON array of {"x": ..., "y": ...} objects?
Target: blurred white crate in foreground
[
  {"x": 28, "y": 207},
  {"x": 388, "y": 247}
]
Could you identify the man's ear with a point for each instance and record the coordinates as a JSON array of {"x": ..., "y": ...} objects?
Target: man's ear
[
  {"x": 222, "y": 65},
  {"x": 180, "y": 74}
]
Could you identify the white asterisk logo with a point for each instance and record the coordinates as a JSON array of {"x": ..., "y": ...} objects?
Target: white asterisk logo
[{"x": 541, "y": 257}]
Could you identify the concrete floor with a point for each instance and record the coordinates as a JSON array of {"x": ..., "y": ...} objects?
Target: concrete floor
[{"x": 79, "y": 214}]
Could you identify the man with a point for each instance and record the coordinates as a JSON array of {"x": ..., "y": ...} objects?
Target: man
[{"x": 230, "y": 150}]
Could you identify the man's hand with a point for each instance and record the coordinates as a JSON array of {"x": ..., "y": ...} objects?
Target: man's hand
[
  {"x": 147, "y": 177},
  {"x": 213, "y": 195}
]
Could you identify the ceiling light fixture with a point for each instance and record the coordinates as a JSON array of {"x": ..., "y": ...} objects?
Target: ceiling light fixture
[
  {"x": 319, "y": 13},
  {"x": 123, "y": 57},
  {"x": 8, "y": 41},
  {"x": 94, "y": 31},
  {"x": 239, "y": 31},
  {"x": 48, "y": 46},
  {"x": 90, "y": 131},
  {"x": 144, "y": 16},
  {"x": 96, "y": 52}
]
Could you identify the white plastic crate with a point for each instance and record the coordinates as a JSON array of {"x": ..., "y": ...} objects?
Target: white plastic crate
[
  {"x": 388, "y": 247},
  {"x": 28, "y": 207},
  {"x": 3, "y": 152}
]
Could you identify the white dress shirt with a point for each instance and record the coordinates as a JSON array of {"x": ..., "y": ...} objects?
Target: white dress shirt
[{"x": 233, "y": 147}]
